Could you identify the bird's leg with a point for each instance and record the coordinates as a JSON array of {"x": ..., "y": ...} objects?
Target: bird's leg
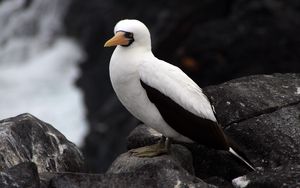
[{"x": 162, "y": 147}]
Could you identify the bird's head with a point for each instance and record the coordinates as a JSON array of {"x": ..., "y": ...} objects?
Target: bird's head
[{"x": 130, "y": 34}]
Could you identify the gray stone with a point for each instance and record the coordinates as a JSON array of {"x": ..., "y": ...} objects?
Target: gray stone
[
  {"x": 131, "y": 180},
  {"x": 163, "y": 171},
  {"x": 244, "y": 98},
  {"x": 284, "y": 176},
  {"x": 179, "y": 156},
  {"x": 25, "y": 138},
  {"x": 141, "y": 136},
  {"x": 21, "y": 175},
  {"x": 261, "y": 113},
  {"x": 271, "y": 139}
]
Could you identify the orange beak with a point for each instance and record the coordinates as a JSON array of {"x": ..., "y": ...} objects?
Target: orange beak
[{"x": 118, "y": 39}]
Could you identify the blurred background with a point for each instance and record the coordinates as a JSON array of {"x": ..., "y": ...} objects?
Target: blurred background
[{"x": 53, "y": 64}]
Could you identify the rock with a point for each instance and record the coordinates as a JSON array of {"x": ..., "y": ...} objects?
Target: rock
[
  {"x": 261, "y": 114},
  {"x": 170, "y": 170},
  {"x": 21, "y": 175},
  {"x": 25, "y": 138},
  {"x": 251, "y": 96},
  {"x": 271, "y": 139},
  {"x": 46, "y": 177},
  {"x": 283, "y": 176},
  {"x": 70, "y": 180},
  {"x": 142, "y": 136},
  {"x": 179, "y": 156},
  {"x": 133, "y": 179}
]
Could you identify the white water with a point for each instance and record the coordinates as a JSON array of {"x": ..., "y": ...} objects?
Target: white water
[{"x": 38, "y": 66}]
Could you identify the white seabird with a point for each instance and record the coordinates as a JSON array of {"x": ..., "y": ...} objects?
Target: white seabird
[{"x": 161, "y": 95}]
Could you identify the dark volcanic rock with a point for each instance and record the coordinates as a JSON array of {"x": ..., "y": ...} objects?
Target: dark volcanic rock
[
  {"x": 283, "y": 176},
  {"x": 128, "y": 171},
  {"x": 25, "y": 138},
  {"x": 179, "y": 157},
  {"x": 142, "y": 135},
  {"x": 121, "y": 180},
  {"x": 163, "y": 171},
  {"x": 272, "y": 139},
  {"x": 251, "y": 96},
  {"x": 261, "y": 113},
  {"x": 22, "y": 175}
]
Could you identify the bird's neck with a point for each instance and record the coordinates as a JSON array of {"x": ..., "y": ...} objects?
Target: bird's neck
[{"x": 125, "y": 62}]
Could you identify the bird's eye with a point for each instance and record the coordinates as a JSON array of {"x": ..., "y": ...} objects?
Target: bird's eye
[{"x": 128, "y": 35}]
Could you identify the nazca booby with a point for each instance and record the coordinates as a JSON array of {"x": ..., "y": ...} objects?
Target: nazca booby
[{"x": 161, "y": 95}]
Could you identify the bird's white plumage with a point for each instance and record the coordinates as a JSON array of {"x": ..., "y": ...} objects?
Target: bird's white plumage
[
  {"x": 134, "y": 62},
  {"x": 130, "y": 64},
  {"x": 174, "y": 83}
]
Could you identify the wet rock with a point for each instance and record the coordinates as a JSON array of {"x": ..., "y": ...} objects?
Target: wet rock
[
  {"x": 251, "y": 96},
  {"x": 261, "y": 113},
  {"x": 46, "y": 177},
  {"x": 21, "y": 175},
  {"x": 70, "y": 180},
  {"x": 174, "y": 169},
  {"x": 133, "y": 179},
  {"x": 271, "y": 139},
  {"x": 141, "y": 136},
  {"x": 25, "y": 138},
  {"x": 283, "y": 176},
  {"x": 179, "y": 156}
]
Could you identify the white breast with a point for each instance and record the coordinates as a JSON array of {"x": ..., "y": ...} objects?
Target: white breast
[{"x": 125, "y": 80}]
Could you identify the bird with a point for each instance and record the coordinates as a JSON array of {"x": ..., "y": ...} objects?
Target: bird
[{"x": 162, "y": 96}]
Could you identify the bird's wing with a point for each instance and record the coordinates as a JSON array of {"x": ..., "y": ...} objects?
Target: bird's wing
[
  {"x": 181, "y": 103},
  {"x": 174, "y": 83}
]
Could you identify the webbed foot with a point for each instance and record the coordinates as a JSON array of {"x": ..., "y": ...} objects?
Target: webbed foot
[{"x": 162, "y": 147}]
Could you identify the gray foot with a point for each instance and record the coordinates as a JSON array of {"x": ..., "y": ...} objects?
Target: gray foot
[
  {"x": 162, "y": 147},
  {"x": 149, "y": 151}
]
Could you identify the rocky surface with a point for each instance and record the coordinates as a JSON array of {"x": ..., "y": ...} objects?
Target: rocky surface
[
  {"x": 25, "y": 138},
  {"x": 213, "y": 41},
  {"x": 251, "y": 96},
  {"x": 283, "y": 176},
  {"x": 22, "y": 175},
  {"x": 175, "y": 169},
  {"x": 128, "y": 171},
  {"x": 262, "y": 113},
  {"x": 34, "y": 154}
]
